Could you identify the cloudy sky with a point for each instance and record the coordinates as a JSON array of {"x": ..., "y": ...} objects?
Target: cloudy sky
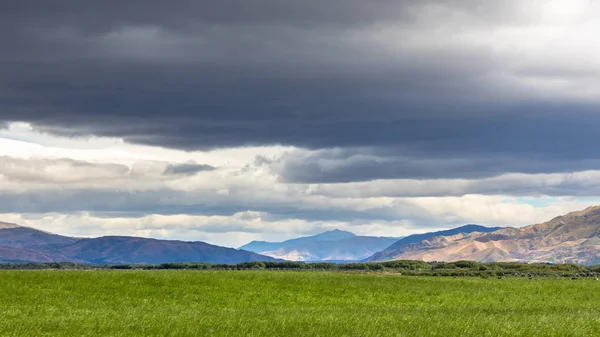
[{"x": 228, "y": 121}]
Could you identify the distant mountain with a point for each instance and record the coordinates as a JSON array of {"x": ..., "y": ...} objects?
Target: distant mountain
[
  {"x": 571, "y": 238},
  {"x": 19, "y": 244},
  {"x": 390, "y": 252},
  {"x": 264, "y": 246},
  {"x": 123, "y": 249},
  {"x": 335, "y": 245}
]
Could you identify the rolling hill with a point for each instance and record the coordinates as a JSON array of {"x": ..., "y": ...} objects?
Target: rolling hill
[
  {"x": 23, "y": 244},
  {"x": 335, "y": 245}
]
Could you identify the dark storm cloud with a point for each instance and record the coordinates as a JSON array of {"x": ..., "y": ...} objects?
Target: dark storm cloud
[
  {"x": 313, "y": 74},
  {"x": 102, "y": 16},
  {"x": 449, "y": 149}
]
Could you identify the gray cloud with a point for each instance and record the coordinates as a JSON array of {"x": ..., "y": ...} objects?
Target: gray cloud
[
  {"x": 125, "y": 203},
  {"x": 61, "y": 170},
  {"x": 96, "y": 18},
  {"x": 80, "y": 174},
  {"x": 405, "y": 80},
  {"x": 364, "y": 164},
  {"x": 187, "y": 168},
  {"x": 580, "y": 184},
  {"x": 366, "y": 201}
]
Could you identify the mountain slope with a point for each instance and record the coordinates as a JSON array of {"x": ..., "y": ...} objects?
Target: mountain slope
[
  {"x": 15, "y": 254},
  {"x": 19, "y": 244},
  {"x": 572, "y": 238},
  {"x": 334, "y": 245},
  {"x": 18, "y": 236},
  {"x": 391, "y": 251}
]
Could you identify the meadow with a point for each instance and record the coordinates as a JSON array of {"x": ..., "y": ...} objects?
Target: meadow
[{"x": 291, "y": 303}]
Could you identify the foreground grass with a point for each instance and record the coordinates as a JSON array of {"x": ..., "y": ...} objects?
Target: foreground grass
[{"x": 255, "y": 303}]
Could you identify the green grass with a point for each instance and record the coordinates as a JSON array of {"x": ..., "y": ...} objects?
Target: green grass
[{"x": 259, "y": 303}]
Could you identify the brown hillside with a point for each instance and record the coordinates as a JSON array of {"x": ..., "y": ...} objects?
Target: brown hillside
[{"x": 572, "y": 238}]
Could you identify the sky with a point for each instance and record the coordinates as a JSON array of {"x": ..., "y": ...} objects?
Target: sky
[{"x": 233, "y": 121}]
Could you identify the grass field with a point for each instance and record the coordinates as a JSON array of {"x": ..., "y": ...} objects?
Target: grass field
[{"x": 260, "y": 303}]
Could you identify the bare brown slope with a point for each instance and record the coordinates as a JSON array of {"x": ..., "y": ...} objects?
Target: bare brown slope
[
  {"x": 389, "y": 252},
  {"x": 572, "y": 238}
]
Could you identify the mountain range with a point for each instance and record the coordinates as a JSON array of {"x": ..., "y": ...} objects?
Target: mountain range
[
  {"x": 24, "y": 244},
  {"x": 335, "y": 245},
  {"x": 571, "y": 238}
]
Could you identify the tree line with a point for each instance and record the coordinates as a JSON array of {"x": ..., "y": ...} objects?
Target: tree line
[{"x": 405, "y": 267}]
